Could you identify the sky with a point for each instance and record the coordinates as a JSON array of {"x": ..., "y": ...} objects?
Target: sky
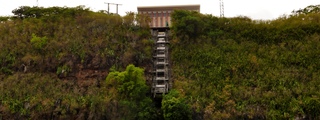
[{"x": 254, "y": 9}]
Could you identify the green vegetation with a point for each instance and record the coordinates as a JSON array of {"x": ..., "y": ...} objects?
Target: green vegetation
[
  {"x": 44, "y": 96},
  {"x": 174, "y": 107},
  {"x": 129, "y": 89},
  {"x": 73, "y": 63},
  {"x": 238, "y": 68},
  {"x": 54, "y": 62},
  {"x": 309, "y": 9},
  {"x": 72, "y": 37}
]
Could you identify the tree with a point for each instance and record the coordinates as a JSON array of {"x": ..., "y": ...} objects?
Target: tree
[
  {"x": 187, "y": 25},
  {"x": 130, "y": 83},
  {"x": 307, "y": 10},
  {"x": 174, "y": 108},
  {"x": 131, "y": 90},
  {"x": 38, "y": 42},
  {"x": 37, "y": 12}
]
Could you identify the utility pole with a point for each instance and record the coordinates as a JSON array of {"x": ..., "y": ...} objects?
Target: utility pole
[
  {"x": 117, "y": 7},
  {"x": 221, "y": 8},
  {"x": 108, "y": 7},
  {"x": 112, "y": 4}
]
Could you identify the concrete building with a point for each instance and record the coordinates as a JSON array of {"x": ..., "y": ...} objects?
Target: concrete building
[{"x": 160, "y": 15}]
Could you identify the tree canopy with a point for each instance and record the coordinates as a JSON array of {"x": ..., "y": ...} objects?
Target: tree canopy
[{"x": 309, "y": 9}]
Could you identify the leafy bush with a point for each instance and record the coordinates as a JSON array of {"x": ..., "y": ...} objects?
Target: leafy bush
[
  {"x": 130, "y": 83},
  {"x": 174, "y": 107},
  {"x": 131, "y": 90},
  {"x": 38, "y": 42}
]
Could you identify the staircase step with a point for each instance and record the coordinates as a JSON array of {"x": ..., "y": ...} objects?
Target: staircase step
[{"x": 161, "y": 79}]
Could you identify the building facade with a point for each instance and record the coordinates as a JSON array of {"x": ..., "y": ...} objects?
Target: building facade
[{"x": 160, "y": 15}]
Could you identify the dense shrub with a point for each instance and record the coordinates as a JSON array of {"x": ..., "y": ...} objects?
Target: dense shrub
[
  {"x": 44, "y": 96},
  {"x": 53, "y": 61},
  {"x": 131, "y": 93},
  {"x": 45, "y": 39},
  {"x": 245, "y": 69},
  {"x": 174, "y": 107}
]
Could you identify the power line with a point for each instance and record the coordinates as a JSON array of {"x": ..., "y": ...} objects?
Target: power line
[{"x": 221, "y": 8}]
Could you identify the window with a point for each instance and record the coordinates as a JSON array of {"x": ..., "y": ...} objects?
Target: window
[
  {"x": 154, "y": 14},
  {"x": 154, "y": 20},
  {"x": 149, "y": 14}
]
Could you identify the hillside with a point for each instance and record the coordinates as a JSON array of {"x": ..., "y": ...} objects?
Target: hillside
[
  {"x": 54, "y": 61},
  {"x": 238, "y": 68},
  {"x": 72, "y": 63}
]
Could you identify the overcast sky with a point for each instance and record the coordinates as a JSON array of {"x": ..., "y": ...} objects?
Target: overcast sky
[{"x": 255, "y": 9}]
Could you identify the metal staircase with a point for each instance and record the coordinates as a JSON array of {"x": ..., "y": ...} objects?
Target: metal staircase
[{"x": 161, "y": 82}]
